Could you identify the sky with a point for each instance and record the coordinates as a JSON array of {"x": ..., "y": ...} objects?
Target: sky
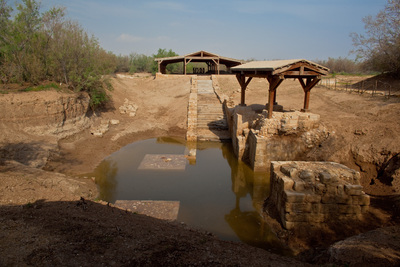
[{"x": 252, "y": 29}]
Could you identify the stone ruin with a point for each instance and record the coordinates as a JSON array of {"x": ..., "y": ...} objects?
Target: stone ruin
[
  {"x": 315, "y": 193},
  {"x": 258, "y": 140}
]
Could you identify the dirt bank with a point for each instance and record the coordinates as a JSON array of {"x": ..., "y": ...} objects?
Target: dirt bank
[{"x": 44, "y": 222}]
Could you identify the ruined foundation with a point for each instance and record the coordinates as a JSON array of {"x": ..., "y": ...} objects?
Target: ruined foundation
[
  {"x": 315, "y": 193},
  {"x": 258, "y": 140}
]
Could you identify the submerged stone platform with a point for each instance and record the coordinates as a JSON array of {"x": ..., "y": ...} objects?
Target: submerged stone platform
[
  {"x": 163, "y": 162},
  {"x": 315, "y": 192}
]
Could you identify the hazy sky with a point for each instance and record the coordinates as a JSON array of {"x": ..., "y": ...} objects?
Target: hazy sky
[{"x": 255, "y": 29}]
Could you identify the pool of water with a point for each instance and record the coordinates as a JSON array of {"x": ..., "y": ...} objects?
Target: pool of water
[{"x": 216, "y": 193}]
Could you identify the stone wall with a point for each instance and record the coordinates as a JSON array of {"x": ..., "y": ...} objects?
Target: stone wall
[
  {"x": 315, "y": 193},
  {"x": 258, "y": 140}
]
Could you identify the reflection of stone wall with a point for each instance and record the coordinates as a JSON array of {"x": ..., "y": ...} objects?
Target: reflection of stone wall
[
  {"x": 286, "y": 136},
  {"x": 315, "y": 192}
]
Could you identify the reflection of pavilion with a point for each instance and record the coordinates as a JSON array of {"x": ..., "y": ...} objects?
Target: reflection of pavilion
[
  {"x": 245, "y": 181},
  {"x": 249, "y": 225}
]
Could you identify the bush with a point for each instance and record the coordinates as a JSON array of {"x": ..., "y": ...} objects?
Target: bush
[{"x": 341, "y": 65}]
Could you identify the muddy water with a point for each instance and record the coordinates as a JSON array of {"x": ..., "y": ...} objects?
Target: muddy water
[{"x": 216, "y": 193}]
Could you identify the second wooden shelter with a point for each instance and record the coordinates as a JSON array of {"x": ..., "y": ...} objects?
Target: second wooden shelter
[{"x": 308, "y": 73}]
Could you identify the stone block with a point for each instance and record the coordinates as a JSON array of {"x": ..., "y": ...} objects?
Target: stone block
[
  {"x": 364, "y": 209},
  {"x": 298, "y": 207},
  {"x": 314, "y": 117},
  {"x": 344, "y": 199},
  {"x": 340, "y": 190},
  {"x": 328, "y": 198},
  {"x": 288, "y": 170},
  {"x": 363, "y": 200},
  {"x": 353, "y": 190},
  {"x": 304, "y": 217},
  {"x": 349, "y": 209},
  {"x": 299, "y": 186},
  {"x": 320, "y": 189},
  {"x": 313, "y": 198},
  {"x": 307, "y": 176},
  {"x": 316, "y": 208},
  {"x": 293, "y": 197},
  {"x": 331, "y": 189},
  {"x": 287, "y": 183},
  {"x": 327, "y": 178},
  {"x": 288, "y": 225}
]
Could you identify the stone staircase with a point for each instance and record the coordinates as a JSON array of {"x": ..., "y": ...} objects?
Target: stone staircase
[{"x": 211, "y": 119}]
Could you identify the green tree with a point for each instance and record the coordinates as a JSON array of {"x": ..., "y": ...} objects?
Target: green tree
[
  {"x": 380, "y": 46},
  {"x": 140, "y": 63},
  {"x": 123, "y": 64},
  {"x": 171, "y": 68}
]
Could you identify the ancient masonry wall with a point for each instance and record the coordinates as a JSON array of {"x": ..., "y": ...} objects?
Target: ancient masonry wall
[
  {"x": 315, "y": 193},
  {"x": 286, "y": 136}
]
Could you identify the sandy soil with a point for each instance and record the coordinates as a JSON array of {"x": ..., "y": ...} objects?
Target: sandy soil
[{"x": 44, "y": 221}]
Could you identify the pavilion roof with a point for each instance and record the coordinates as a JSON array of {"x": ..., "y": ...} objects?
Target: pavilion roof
[
  {"x": 201, "y": 56},
  {"x": 274, "y": 67}
]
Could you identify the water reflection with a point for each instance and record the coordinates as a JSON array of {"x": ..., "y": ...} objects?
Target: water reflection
[
  {"x": 106, "y": 180},
  {"x": 216, "y": 192}
]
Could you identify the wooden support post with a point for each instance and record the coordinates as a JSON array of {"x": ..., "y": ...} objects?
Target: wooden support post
[
  {"x": 243, "y": 85},
  {"x": 310, "y": 83},
  {"x": 306, "y": 100},
  {"x": 274, "y": 82},
  {"x": 271, "y": 102},
  {"x": 186, "y": 63}
]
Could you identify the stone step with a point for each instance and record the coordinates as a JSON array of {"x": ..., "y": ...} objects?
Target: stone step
[
  {"x": 215, "y": 123},
  {"x": 207, "y": 127},
  {"x": 215, "y": 135},
  {"x": 211, "y": 107},
  {"x": 205, "y": 109},
  {"x": 210, "y": 114}
]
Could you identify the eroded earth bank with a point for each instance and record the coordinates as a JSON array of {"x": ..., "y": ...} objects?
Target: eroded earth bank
[{"x": 49, "y": 215}]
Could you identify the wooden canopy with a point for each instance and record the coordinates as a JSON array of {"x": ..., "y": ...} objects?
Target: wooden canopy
[
  {"x": 308, "y": 73},
  {"x": 213, "y": 61}
]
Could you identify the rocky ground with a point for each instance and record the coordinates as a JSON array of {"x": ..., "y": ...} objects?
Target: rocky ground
[{"x": 48, "y": 141}]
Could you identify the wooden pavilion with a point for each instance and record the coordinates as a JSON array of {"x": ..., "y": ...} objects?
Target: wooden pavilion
[
  {"x": 308, "y": 73},
  {"x": 213, "y": 61}
]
